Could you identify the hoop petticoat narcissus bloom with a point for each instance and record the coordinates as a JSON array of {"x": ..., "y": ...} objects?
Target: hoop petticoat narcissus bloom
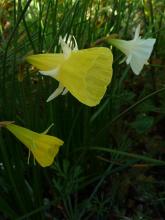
[
  {"x": 137, "y": 51},
  {"x": 43, "y": 147},
  {"x": 84, "y": 73}
]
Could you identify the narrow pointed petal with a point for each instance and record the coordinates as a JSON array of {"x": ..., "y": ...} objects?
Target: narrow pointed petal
[
  {"x": 75, "y": 44},
  {"x": 65, "y": 91},
  {"x": 47, "y": 130},
  {"x": 65, "y": 48},
  {"x": 128, "y": 58},
  {"x": 47, "y": 61},
  {"x": 137, "y": 32},
  {"x": 56, "y": 93},
  {"x": 71, "y": 42},
  {"x": 53, "y": 73},
  {"x": 123, "y": 60}
]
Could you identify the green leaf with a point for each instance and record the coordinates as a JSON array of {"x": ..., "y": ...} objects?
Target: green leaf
[
  {"x": 6, "y": 209},
  {"x": 143, "y": 123},
  {"x": 130, "y": 155}
]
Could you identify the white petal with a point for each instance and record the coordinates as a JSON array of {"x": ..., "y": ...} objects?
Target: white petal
[
  {"x": 129, "y": 57},
  {"x": 46, "y": 131},
  {"x": 137, "y": 32},
  {"x": 65, "y": 91},
  {"x": 56, "y": 93},
  {"x": 141, "y": 54},
  {"x": 145, "y": 47},
  {"x": 53, "y": 73},
  {"x": 75, "y": 44},
  {"x": 137, "y": 50},
  {"x": 65, "y": 47},
  {"x": 71, "y": 42},
  {"x": 137, "y": 65},
  {"x": 123, "y": 60}
]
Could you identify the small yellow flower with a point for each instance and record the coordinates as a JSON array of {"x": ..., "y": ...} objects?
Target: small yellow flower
[
  {"x": 84, "y": 73},
  {"x": 43, "y": 147},
  {"x": 137, "y": 51}
]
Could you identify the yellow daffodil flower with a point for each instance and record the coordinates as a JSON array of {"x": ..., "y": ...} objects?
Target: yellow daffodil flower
[
  {"x": 43, "y": 147},
  {"x": 137, "y": 51},
  {"x": 84, "y": 73}
]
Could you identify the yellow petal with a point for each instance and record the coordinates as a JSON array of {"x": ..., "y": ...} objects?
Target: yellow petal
[
  {"x": 87, "y": 73},
  {"x": 47, "y": 61},
  {"x": 23, "y": 134},
  {"x": 44, "y": 147}
]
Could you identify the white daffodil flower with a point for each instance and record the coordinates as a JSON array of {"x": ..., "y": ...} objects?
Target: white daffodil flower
[
  {"x": 137, "y": 51},
  {"x": 67, "y": 46}
]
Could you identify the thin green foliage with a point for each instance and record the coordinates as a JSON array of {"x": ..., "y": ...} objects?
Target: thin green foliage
[{"x": 84, "y": 182}]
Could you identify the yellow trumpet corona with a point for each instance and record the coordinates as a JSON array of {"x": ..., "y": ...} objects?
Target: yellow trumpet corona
[{"x": 43, "y": 147}]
